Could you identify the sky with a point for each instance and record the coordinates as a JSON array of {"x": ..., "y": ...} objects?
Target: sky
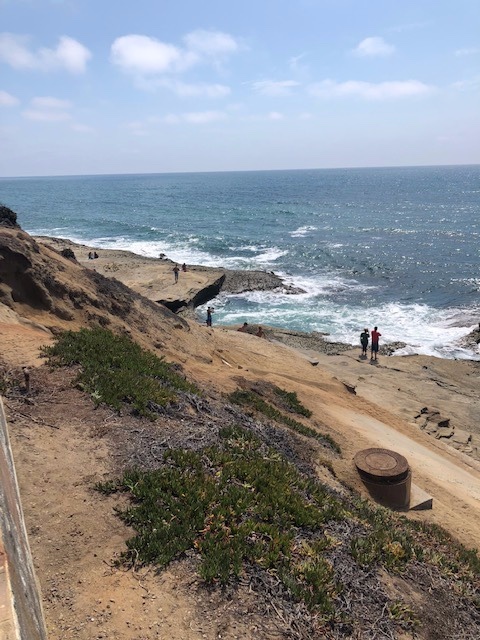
[{"x": 154, "y": 86}]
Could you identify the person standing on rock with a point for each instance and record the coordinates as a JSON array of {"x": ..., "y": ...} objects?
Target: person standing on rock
[
  {"x": 375, "y": 337},
  {"x": 175, "y": 273},
  {"x": 209, "y": 316},
  {"x": 364, "y": 336}
]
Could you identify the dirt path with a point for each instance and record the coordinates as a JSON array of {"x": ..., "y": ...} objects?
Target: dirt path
[{"x": 452, "y": 480}]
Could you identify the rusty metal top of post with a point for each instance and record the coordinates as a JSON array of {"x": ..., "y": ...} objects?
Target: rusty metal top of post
[{"x": 381, "y": 463}]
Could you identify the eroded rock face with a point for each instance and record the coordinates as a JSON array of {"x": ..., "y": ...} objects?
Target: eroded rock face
[
  {"x": 8, "y": 218},
  {"x": 40, "y": 284},
  {"x": 20, "y": 281}
]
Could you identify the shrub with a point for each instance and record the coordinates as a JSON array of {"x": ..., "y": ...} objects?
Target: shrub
[
  {"x": 234, "y": 503},
  {"x": 253, "y": 400},
  {"x": 117, "y": 371}
]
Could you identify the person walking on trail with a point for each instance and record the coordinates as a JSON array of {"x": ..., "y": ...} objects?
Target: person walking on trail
[
  {"x": 375, "y": 337},
  {"x": 209, "y": 316},
  {"x": 364, "y": 336},
  {"x": 175, "y": 273}
]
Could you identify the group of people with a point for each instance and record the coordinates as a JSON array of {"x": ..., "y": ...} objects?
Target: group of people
[
  {"x": 92, "y": 255},
  {"x": 365, "y": 336},
  {"x": 245, "y": 329}
]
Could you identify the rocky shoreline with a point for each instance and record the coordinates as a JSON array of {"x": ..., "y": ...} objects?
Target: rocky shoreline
[{"x": 152, "y": 278}]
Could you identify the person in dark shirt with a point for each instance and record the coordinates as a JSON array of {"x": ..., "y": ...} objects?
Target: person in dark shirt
[
  {"x": 364, "y": 336},
  {"x": 209, "y": 316}
]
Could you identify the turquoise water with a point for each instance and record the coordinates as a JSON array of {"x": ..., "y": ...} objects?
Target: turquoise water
[{"x": 395, "y": 247}]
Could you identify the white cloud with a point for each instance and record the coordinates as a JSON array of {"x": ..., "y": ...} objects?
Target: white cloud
[
  {"x": 188, "y": 90},
  {"x": 467, "y": 51},
  {"x": 72, "y": 55},
  {"x": 7, "y": 100},
  {"x": 48, "y": 109},
  {"x": 369, "y": 90},
  {"x": 211, "y": 43},
  {"x": 69, "y": 54},
  {"x": 275, "y": 115},
  {"x": 373, "y": 47},
  {"x": 44, "y": 115},
  {"x": 147, "y": 56},
  {"x": 48, "y": 102},
  {"x": 194, "y": 117},
  {"x": 171, "y": 118},
  {"x": 275, "y": 88},
  {"x": 464, "y": 85},
  {"x": 204, "y": 117},
  {"x": 206, "y": 90},
  {"x": 294, "y": 62}
]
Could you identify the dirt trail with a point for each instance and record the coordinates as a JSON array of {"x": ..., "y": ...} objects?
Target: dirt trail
[{"x": 450, "y": 477}]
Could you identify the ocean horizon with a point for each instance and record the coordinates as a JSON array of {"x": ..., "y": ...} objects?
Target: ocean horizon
[{"x": 396, "y": 247}]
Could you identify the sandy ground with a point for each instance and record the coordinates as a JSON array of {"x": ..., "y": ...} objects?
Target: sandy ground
[
  {"x": 60, "y": 452},
  {"x": 216, "y": 356},
  {"x": 75, "y": 536}
]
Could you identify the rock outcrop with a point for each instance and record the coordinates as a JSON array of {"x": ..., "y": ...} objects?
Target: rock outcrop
[
  {"x": 153, "y": 277},
  {"x": 8, "y": 218},
  {"x": 41, "y": 285}
]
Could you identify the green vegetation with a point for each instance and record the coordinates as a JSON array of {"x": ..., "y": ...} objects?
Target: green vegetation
[
  {"x": 402, "y": 613},
  {"x": 241, "y": 503},
  {"x": 3, "y": 383},
  {"x": 235, "y": 503},
  {"x": 253, "y": 400},
  {"x": 117, "y": 371},
  {"x": 292, "y": 402},
  {"x": 451, "y": 557}
]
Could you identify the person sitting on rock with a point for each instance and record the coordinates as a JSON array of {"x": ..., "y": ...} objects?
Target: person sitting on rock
[
  {"x": 244, "y": 327},
  {"x": 260, "y": 332}
]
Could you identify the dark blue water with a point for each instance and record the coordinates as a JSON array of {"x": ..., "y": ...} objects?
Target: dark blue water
[{"x": 396, "y": 247}]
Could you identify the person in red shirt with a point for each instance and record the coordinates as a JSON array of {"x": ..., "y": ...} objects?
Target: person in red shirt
[{"x": 375, "y": 335}]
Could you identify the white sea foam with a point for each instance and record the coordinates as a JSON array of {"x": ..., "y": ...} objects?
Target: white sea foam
[
  {"x": 178, "y": 252},
  {"x": 270, "y": 255},
  {"x": 302, "y": 231},
  {"x": 425, "y": 330},
  {"x": 247, "y": 247}
]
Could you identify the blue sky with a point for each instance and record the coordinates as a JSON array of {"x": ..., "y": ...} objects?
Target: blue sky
[{"x": 147, "y": 86}]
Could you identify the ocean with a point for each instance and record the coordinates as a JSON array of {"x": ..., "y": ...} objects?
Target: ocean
[{"x": 393, "y": 247}]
